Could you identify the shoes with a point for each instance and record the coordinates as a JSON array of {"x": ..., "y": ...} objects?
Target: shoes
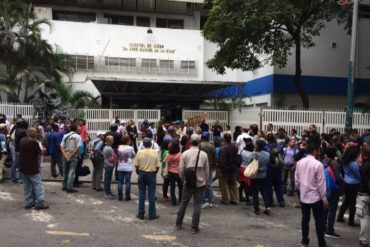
[
  {"x": 362, "y": 244},
  {"x": 234, "y": 203},
  {"x": 331, "y": 235},
  {"x": 120, "y": 197},
  {"x": 110, "y": 196},
  {"x": 178, "y": 227},
  {"x": 267, "y": 211},
  {"x": 140, "y": 216},
  {"x": 2, "y": 181},
  {"x": 41, "y": 207},
  {"x": 195, "y": 230},
  {"x": 127, "y": 199},
  {"x": 29, "y": 206},
  {"x": 303, "y": 244},
  {"x": 340, "y": 219},
  {"x": 205, "y": 205},
  {"x": 72, "y": 191},
  {"x": 282, "y": 204},
  {"x": 154, "y": 217},
  {"x": 99, "y": 189}
]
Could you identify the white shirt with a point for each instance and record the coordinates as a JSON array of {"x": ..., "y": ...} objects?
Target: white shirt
[
  {"x": 240, "y": 142},
  {"x": 154, "y": 146}
]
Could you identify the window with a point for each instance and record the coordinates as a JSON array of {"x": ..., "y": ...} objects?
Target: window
[
  {"x": 170, "y": 23},
  {"x": 128, "y": 62},
  {"x": 80, "y": 62},
  {"x": 120, "y": 19},
  {"x": 166, "y": 64},
  {"x": 142, "y": 21},
  {"x": 61, "y": 15},
  {"x": 149, "y": 63},
  {"x": 187, "y": 65}
]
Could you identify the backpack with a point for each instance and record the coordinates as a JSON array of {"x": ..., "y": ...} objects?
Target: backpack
[
  {"x": 275, "y": 159},
  {"x": 331, "y": 185},
  {"x": 97, "y": 154}
]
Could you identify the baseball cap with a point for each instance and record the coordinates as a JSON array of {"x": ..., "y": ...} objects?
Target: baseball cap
[{"x": 205, "y": 135}]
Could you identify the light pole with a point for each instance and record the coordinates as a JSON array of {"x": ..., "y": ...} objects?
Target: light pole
[{"x": 351, "y": 69}]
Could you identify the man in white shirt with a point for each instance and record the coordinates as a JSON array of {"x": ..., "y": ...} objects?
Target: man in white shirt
[{"x": 240, "y": 144}]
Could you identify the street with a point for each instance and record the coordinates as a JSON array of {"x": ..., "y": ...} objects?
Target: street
[{"x": 88, "y": 219}]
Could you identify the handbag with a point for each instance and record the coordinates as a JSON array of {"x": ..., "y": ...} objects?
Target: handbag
[
  {"x": 251, "y": 170},
  {"x": 191, "y": 175},
  {"x": 83, "y": 171}
]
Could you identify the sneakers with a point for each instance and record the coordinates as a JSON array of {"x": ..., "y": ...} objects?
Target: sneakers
[
  {"x": 205, "y": 205},
  {"x": 211, "y": 205},
  {"x": 331, "y": 235},
  {"x": 110, "y": 196}
]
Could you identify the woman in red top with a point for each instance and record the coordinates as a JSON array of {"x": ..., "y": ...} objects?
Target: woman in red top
[{"x": 172, "y": 165}]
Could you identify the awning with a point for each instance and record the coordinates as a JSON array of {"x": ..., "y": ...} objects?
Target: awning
[{"x": 157, "y": 91}]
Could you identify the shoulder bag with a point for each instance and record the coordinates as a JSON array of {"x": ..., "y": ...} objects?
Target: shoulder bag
[{"x": 191, "y": 175}]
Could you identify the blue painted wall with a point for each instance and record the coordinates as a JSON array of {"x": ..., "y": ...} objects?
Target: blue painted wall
[{"x": 313, "y": 85}]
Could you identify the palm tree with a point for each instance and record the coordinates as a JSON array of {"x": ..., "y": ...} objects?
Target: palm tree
[
  {"x": 75, "y": 100},
  {"x": 28, "y": 58}
]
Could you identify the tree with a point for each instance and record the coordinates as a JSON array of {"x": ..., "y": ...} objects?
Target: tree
[
  {"x": 251, "y": 33},
  {"x": 28, "y": 59}
]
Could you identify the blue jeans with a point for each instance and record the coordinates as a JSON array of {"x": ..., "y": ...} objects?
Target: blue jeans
[
  {"x": 124, "y": 177},
  {"x": 33, "y": 190},
  {"x": 56, "y": 160},
  {"x": 208, "y": 194},
  {"x": 274, "y": 180},
  {"x": 69, "y": 173},
  {"x": 108, "y": 173},
  {"x": 330, "y": 213},
  {"x": 14, "y": 167},
  {"x": 147, "y": 180}
]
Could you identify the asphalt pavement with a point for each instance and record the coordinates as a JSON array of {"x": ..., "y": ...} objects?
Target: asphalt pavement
[{"x": 87, "y": 218}]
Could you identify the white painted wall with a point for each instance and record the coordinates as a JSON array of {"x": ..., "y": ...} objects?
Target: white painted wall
[{"x": 324, "y": 60}]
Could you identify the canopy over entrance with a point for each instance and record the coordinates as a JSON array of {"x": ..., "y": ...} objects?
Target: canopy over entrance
[{"x": 154, "y": 93}]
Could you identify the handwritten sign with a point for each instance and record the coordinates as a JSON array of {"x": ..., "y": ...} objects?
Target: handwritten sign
[{"x": 150, "y": 48}]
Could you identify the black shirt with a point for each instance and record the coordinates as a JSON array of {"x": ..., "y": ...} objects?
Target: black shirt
[
  {"x": 365, "y": 177},
  {"x": 204, "y": 127},
  {"x": 19, "y": 134},
  {"x": 216, "y": 129},
  {"x": 29, "y": 156}
]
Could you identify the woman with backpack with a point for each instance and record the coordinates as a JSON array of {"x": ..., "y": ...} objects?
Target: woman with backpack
[
  {"x": 172, "y": 161},
  {"x": 352, "y": 179},
  {"x": 333, "y": 185}
]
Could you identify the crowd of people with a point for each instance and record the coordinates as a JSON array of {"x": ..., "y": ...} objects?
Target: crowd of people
[{"x": 317, "y": 168}]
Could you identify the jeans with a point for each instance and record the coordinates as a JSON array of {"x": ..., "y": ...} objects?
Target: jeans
[
  {"x": 108, "y": 173},
  {"x": 319, "y": 216},
  {"x": 274, "y": 180},
  {"x": 208, "y": 194},
  {"x": 330, "y": 213},
  {"x": 124, "y": 177},
  {"x": 198, "y": 196},
  {"x": 258, "y": 185},
  {"x": 363, "y": 212},
  {"x": 2, "y": 162},
  {"x": 97, "y": 176},
  {"x": 350, "y": 193},
  {"x": 288, "y": 173},
  {"x": 228, "y": 186},
  {"x": 175, "y": 179},
  {"x": 147, "y": 180},
  {"x": 56, "y": 159},
  {"x": 14, "y": 167},
  {"x": 33, "y": 190},
  {"x": 69, "y": 173}
]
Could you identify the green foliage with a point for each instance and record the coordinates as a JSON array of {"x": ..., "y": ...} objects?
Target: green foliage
[
  {"x": 251, "y": 33},
  {"x": 28, "y": 59}
]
